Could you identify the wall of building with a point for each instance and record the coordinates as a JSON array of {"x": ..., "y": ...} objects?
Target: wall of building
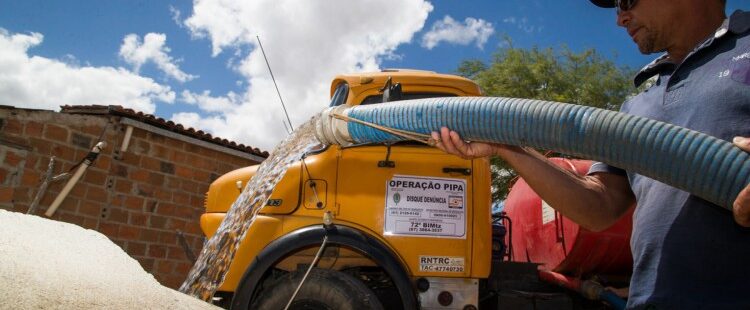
[{"x": 139, "y": 199}]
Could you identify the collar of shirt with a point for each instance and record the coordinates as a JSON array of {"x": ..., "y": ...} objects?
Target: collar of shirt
[{"x": 737, "y": 23}]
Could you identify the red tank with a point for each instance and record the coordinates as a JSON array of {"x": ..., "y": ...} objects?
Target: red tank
[{"x": 541, "y": 235}]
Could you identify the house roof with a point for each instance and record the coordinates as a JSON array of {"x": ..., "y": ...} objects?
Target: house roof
[{"x": 159, "y": 122}]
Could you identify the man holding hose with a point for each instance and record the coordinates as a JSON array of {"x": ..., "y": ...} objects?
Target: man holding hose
[{"x": 687, "y": 252}]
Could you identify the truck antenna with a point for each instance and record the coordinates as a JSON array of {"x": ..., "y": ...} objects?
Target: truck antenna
[{"x": 277, "y": 87}]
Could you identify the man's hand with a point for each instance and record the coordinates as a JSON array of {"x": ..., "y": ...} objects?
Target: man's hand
[
  {"x": 741, "y": 207},
  {"x": 450, "y": 142}
]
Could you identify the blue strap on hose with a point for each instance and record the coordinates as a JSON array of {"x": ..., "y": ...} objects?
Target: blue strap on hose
[{"x": 705, "y": 166}]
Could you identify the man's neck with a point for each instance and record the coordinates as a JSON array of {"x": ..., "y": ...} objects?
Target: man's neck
[{"x": 694, "y": 34}]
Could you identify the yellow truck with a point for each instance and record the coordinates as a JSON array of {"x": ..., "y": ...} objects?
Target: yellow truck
[{"x": 411, "y": 226}]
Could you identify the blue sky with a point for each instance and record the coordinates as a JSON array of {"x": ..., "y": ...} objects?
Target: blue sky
[{"x": 197, "y": 62}]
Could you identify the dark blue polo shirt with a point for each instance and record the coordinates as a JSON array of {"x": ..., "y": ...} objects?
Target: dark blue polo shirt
[{"x": 687, "y": 252}]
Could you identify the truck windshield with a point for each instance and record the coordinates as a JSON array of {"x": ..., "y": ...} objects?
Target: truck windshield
[
  {"x": 406, "y": 96},
  {"x": 340, "y": 94}
]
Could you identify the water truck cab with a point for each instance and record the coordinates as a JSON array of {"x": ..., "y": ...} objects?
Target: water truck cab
[{"x": 410, "y": 226}]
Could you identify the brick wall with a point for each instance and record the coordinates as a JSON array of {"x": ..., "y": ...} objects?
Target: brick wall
[{"x": 140, "y": 199}]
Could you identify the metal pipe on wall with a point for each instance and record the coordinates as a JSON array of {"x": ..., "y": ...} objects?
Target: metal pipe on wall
[{"x": 74, "y": 179}]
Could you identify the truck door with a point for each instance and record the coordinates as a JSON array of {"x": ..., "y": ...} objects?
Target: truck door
[{"x": 417, "y": 198}]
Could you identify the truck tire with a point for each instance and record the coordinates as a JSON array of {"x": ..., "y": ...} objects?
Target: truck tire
[{"x": 323, "y": 289}]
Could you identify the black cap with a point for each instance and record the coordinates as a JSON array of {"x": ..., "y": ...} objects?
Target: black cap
[{"x": 604, "y": 3}]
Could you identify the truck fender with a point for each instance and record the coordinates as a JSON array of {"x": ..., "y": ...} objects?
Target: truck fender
[{"x": 313, "y": 235}]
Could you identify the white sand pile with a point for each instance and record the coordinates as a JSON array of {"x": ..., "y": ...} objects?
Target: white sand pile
[{"x": 46, "y": 264}]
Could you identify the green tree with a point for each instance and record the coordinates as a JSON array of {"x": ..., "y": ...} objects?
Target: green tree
[{"x": 584, "y": 78}]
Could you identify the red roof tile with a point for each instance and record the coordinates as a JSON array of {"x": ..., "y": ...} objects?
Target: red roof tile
[{"x": 160, "y": 123}]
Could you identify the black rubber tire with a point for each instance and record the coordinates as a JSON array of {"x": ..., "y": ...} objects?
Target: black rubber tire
[{"x": 323, "y": 289}]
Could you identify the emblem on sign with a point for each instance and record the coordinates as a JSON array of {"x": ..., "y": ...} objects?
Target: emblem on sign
[{"x": 396, "y": 198}]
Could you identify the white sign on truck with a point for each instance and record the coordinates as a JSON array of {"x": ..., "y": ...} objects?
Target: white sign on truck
[{"x": 421, "y": 206}]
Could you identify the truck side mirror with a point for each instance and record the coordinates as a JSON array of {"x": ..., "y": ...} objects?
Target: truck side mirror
[{"x": 392, "y": 92}]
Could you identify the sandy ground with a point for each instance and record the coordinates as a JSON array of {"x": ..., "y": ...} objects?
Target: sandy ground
[{"x": 46, "y": 264}]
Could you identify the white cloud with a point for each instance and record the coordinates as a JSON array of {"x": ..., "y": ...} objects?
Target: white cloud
[
  {"x": 176, "y": 15},
  {"x": 36, "y": 82},
  {"x": 210, "y": 104},
  {"x": 195, "y": 120},
  {"x": 451, "y": 31},
  {"x": 70, "y": 60},
  {"x": 152, "y": 49},
  {"x": 522, "y": 24},
  {"x": 307, "y": 42}
]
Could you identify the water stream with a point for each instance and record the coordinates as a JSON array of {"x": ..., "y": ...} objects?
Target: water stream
[{"x": 212, "y": 264}]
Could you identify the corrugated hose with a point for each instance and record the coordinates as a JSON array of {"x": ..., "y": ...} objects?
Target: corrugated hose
[{"x": 705, "y": 166}]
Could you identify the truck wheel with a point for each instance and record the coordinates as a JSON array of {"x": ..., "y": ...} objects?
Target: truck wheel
[{"x": 323, "y": 289}]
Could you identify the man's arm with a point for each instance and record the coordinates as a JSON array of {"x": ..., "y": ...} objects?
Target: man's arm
[
  {"x": 595, "y": 202},
  {"x": 741, "y": 206}
]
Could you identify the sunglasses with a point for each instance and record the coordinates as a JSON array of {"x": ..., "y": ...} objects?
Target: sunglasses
[{"x": 624, "y": 5}]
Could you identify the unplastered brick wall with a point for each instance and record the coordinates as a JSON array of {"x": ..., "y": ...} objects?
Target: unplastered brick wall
[{"x": 140, "y": 198}]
